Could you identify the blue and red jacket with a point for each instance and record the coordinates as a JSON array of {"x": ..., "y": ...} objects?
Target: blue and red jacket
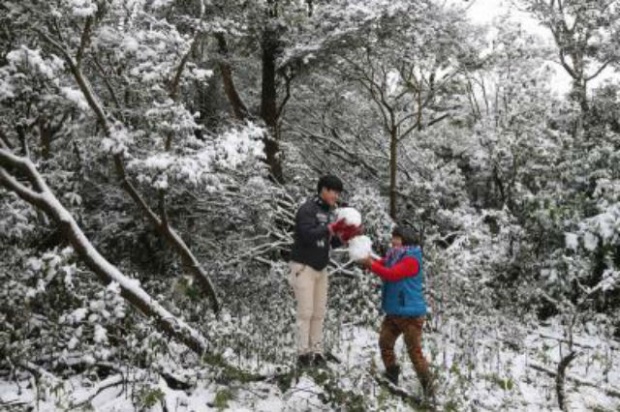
[{"x": 403, "y": 281}]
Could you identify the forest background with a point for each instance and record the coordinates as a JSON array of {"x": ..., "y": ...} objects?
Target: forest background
[{"x": 153, "y": 154}]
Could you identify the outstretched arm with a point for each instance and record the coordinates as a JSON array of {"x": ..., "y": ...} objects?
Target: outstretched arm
[{"x": 409, "y": 266}]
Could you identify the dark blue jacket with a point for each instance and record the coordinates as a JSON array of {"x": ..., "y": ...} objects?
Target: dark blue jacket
[{"x": 312, "y": 239}]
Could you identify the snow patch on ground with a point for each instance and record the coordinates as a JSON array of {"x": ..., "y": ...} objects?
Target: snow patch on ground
[{"x": 478, "y": 367}]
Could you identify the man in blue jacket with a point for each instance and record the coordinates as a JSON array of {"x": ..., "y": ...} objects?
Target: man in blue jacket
[
  {"x": 403, "y": 303},
  {"x": 316, "y": 231}
]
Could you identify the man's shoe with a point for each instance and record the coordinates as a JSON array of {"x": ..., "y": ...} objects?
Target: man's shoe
[
  {"x": 392, "y": 373},
  {"x": 304, "y": 361},
  {"x": 319, "y": 361}
]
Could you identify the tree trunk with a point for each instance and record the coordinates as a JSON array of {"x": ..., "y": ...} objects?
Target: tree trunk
[
  {"x": 393, "y": 170},
  {"x": 269, "y": 102},
  {"x": 580, "y": 94},
  {"x": 559, "y": 379},
  {"x": 188, "y": 260},
  {"x": 45, "y": 132},
  {"x": 239, "y": 109},
  {"x": 270, "y": 47}
]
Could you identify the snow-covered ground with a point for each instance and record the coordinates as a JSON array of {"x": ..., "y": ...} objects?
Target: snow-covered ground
[{"x": 484, "y": 366}]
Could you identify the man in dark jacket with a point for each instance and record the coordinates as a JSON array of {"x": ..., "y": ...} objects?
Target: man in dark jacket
[{"x": 316, "y": 231}]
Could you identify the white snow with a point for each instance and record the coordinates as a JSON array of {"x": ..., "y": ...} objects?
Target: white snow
[
  {"x": 131, "y": 44},
  {"x": 360, "y": 247},
  {"x": 73, "y": 342},
  {"x": 77, "y": 315},
  {"x": 46, "y": 67},
  {"x": 350, "y": 215},
  {"x": 83, "y": 8},
  {"x": 197, "y": 166},
  {"x": 7, "y": 90},
  {"x": 590, "y": 241},
  {"x": 76, "y": 97},
  {"x": 236, "y": 146},
  {"x": 476, "y": 371},
  {"x": 610, "y": 279},
  {"x": 202, "y": 74},
  {"x": 97, "y": 306},
  {"x": 35, "y": 264},
  {"x": 393, "y": 80},
  {"x": 101, "y": 335},
  {"x": 118, "y": 140},
  {"x": 161, "y": 3},
  {"x": 572, "y": 241}
]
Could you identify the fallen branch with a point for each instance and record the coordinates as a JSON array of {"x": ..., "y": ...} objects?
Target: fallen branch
[
  {"x": 38, "y": 371},
  {"x": 176, "y": 383},
  {"x": 41, "y": 196},
  {"x": 189, "y": 261},
  {"x": 108, "y": 383},
  {"x": 607, "y": 389},
  {"x": 14, "y": 404},
  {"x": 585, "y": 345}
]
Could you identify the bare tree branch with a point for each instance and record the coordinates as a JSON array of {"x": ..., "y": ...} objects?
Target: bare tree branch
[
  {"x": 84, "y": 40},
  {"x": 176, "y": 80},
  {"x": 108, "y": 85},
  {"x": 4, "y": 140},
  {"x": 287, "y": 84},
  {"x": 603, "y": 67},
  {"x": 162, "y": 208}
]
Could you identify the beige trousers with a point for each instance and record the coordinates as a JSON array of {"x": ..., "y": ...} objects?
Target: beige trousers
[{"x": 310, "y": 287}]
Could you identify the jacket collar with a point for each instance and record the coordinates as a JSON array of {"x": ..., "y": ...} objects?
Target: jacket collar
[
  {"x": 321, "y": 203},
  {"x": 394, "y": 255}
]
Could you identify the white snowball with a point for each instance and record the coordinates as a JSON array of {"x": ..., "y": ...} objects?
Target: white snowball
[
  {"x": 350, "y": 215},
  {"x": 360, "y": 247},
  {"x": 572, "y": 241},
  {"x": 590, "y": 241},
  {"x": 101, "y": 335}
]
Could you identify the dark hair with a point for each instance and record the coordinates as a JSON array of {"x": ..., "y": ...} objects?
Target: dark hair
[
  {"x": 409, "y": 236},
  {"x": 330, "y": 182}
]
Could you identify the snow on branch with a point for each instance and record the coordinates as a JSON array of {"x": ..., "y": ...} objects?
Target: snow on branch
[
  {"x": 343, "y": 21},
  {"x": 116, "y": 139},
  {"x": 42, "y": 197}
]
